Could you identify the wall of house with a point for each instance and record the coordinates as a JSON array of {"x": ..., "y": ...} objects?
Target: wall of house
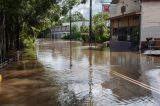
[
  {"x": 78, "y": 24},
  {"x": 131, "y": 6},
  {"x": 60, "y": 31},
  {"x": 150, "y": 20}
]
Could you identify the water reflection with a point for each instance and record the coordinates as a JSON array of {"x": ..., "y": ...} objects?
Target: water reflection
[
  {"x": 138, "y": 67},
  {"x": 97, "y": 77},
  {"x": 90, "y": 101},
  {"x": 71, "y": 53},
  {"x": 0, "y": 78},
  {"x": 95, "y": 68}
]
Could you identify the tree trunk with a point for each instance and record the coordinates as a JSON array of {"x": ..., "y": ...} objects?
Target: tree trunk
[
  {"x": 3, "y": 39},
  {"x": 17, "y": 32}
]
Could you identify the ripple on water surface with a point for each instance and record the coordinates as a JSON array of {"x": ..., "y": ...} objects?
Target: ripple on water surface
[{"x": 47, "y": 77}]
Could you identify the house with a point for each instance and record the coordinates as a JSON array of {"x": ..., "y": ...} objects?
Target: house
[
  {"x": 78, "y": 24},
  {"x": 59, "y": 31},
  {"x": 132, "y": 22}
]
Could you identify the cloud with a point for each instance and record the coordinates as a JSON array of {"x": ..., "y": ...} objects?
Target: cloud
[{"x": 84, "y": 8}]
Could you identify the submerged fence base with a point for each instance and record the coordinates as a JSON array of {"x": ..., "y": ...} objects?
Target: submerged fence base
[{"x": 4, "y": 62}]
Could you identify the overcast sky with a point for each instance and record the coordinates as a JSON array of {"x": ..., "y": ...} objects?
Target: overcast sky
[{"x": 84, "y": 8}]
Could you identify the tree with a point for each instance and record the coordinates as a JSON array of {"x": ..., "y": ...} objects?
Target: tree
[
  {"x": 22, "y": 14},
  {"x": 24, "y": 19},
  {"x": 84, "y": 33},
  {"x": 75, "y": 34},
  {"x": 100, "y": 18},
  {"x": 101, "y": 30},
  {"x": 77, "y": 16},
  {"x": 84, "y": 29}
]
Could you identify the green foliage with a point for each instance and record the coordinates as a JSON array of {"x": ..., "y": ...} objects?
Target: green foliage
[
  {"x": 77, "y": 16},
  {"x": 84, "y": 33},
  {"x": 45, "y": 34},
  {"x": 84, "y": 29},
  {"x": 101, "y": 31},
  {"x": 75, "y": 34},
  {"x": 69, "y": 4},
  {"x": 27, "y": 18},
  {"x": 85, "y": 38},
  {"x": 100, "y": 18}
]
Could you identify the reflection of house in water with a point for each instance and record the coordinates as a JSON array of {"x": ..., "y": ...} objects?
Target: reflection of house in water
[
  {"x": 149, "y": 62},
  {"x": 134, "y": 66},
  {"x": 133, "y": 63},
  {"x": 126, "y": 63},
  {"x": 124, "y": 90}
]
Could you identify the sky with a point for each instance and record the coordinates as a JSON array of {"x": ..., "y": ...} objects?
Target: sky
[{"x": 84, "y": 8}]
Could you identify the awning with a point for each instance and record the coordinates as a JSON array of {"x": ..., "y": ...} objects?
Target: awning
[{"x": 125, "y": 15}]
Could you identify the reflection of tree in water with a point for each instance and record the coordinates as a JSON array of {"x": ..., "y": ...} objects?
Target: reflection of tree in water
[
  {"x": 89, "y": 102},
  {"x": 69, "y": 98},
  {"x": 99, "y": 57}
]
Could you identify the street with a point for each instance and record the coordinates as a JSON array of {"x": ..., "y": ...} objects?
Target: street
[{"x": 53, "y": 75}]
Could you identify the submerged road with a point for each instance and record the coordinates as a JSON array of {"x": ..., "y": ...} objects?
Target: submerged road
[{"x": 51, "y": 75}]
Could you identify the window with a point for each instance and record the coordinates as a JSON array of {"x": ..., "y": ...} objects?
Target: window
[
  {"x": 134, "y": 32},
  {"x": 122, "y": 34}
]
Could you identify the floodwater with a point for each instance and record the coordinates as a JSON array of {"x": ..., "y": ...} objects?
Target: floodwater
[{"x": 55, "y": 75}]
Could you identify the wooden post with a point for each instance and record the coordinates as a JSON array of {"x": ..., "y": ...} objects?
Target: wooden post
[{"x": 128, "y": 31}]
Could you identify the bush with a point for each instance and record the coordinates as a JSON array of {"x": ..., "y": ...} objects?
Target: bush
[
  {"x": 66, "y": 37},
  {"x": 85, "y": 38},
  {"x": 75, "y": 34}
]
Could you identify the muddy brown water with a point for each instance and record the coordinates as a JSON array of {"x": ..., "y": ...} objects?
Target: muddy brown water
[{"x": 52, "y": 76}]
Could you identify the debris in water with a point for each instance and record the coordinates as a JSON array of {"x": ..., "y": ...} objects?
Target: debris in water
[{"x": 0, "y": 78}]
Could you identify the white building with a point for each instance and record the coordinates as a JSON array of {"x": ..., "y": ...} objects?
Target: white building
[
  {"x": 60, "y": 31},
  {"x": 78, "y": 24}
]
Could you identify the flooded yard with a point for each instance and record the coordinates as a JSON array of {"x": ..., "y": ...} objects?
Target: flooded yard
[{"x": 55, "y": 75}]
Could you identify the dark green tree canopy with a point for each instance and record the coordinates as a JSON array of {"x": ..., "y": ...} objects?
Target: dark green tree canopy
[{"x": 26, "y": 18}]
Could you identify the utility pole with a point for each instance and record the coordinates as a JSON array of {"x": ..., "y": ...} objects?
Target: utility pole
[
  {"x": 70, "y": 13},
  {"x": 90, "y": 25}
]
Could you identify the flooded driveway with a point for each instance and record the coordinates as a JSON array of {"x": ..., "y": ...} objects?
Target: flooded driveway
[{"x": 55, "y": 75}]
